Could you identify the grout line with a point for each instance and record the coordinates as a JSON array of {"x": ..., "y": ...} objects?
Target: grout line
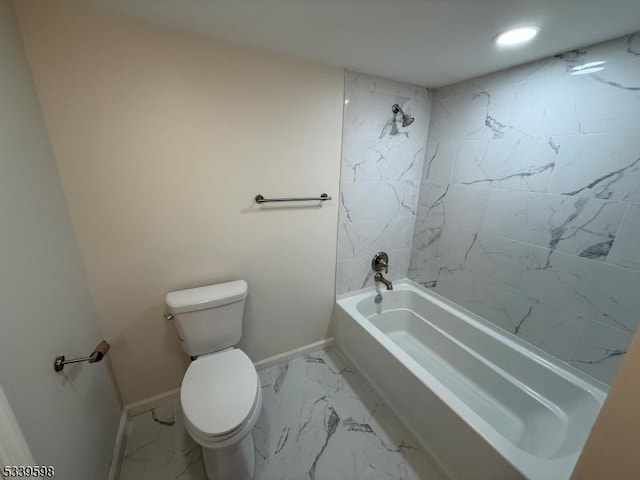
[
  {"x": 555, "y": 164},
  {"x": 624, "y": 217},
  {"x": 455, "y": 160},
  {"x": 509, "y": 119},
  {"x": 575, "y": 342}
]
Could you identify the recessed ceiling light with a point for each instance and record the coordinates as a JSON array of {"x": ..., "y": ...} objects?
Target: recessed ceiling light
[{"x": 516, "y": 36}]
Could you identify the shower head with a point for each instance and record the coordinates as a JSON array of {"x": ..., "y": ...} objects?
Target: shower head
[{"x": 406, "y": 119}]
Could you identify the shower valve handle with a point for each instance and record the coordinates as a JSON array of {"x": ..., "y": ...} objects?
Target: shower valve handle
[{"x": 380, "y": 262}]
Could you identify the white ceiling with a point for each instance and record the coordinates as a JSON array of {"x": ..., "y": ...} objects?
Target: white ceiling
[{"x": 430, "y": 43}]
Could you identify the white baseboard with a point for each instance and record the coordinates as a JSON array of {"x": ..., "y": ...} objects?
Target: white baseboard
[
  {"x": 118, "y": 448},
  {"x": 157, "y": 401},
  {"x": 150, "y": 403},
  {"x": 283, "y": 357}
]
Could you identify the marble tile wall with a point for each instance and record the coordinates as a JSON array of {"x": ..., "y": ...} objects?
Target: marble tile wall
[
  {"x": 381, "y": 169},
  {"x": 529, "y": 205}
]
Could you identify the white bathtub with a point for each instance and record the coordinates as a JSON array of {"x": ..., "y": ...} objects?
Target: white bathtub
[{"x": 487, "y": 405}]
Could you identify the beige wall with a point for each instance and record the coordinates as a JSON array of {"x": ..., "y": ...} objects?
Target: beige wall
[
  {"x": 612, "y": 448},
  {"x": 162, "y": 140}
]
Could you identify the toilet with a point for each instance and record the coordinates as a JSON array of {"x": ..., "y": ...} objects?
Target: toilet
[{"x": 220, "y": 394}]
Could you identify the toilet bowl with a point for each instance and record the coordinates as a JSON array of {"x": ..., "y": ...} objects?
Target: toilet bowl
[{"x": 221, "y": 401}]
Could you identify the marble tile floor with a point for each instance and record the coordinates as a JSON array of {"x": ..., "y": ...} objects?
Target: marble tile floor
[{"x": 319, "y": 421}]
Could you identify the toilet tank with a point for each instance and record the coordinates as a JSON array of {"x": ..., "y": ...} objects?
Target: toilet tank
[{"x": 208, "y": 319}]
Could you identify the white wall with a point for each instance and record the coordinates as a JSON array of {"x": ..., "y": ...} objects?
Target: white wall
[
  {"x": 70, "y": 419},
  {"x": 162, "y": 141}
]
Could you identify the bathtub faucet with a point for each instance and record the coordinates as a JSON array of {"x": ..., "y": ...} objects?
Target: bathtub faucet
[{"x": 379, "y": 278}]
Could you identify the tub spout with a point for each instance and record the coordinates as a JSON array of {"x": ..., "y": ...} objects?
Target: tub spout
[{"x": 379, "y": 278}]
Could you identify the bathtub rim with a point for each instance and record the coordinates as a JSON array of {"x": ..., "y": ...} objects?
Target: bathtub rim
[{"x": 488, "y": 327}]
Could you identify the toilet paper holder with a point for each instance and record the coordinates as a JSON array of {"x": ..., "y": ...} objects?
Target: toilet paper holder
[{"x": 98, "y": 354}]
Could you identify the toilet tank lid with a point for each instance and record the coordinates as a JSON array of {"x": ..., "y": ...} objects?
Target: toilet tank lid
[{"x": 201, "y": 298}]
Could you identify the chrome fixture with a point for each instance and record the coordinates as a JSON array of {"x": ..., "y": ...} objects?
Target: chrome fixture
[
  {"x": 322, "y": 198},
  {"x": 378, "y": 299},
  {"x": 168, "y": 317},
  {"x": 98, "y": 354},
  {"x": 379, "y": 278},
  {"x": 379, "y": 262},
  {"x": 406, "y": 119}
]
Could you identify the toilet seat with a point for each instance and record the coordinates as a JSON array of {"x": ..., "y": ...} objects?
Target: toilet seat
[
  {"x": 230, "y": 438},
  {"x": 219, "y": 396}
]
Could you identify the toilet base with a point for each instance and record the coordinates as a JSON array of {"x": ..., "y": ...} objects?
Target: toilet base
[{"x": 235, "y": 462}]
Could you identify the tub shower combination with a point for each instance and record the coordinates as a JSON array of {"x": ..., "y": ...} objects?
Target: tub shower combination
[{"x": 485, "y": 404}]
